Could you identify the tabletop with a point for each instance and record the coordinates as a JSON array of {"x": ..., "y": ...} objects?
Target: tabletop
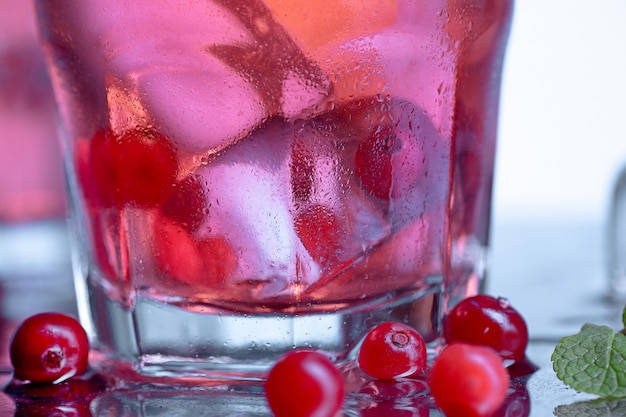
[{"x": 552, "y": 271}]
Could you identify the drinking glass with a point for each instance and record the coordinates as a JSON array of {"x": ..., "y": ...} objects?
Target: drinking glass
[
  {"x": 248, "y": 177},
  {"x": 31, "y": 173}
]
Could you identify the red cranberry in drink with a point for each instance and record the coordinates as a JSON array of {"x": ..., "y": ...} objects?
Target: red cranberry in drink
[
  {"x": 186, "y": 205},
  {"x": 137, "y": 167},
  {"x": 204, "y": 262},
  {"x": 319, "y": 230}
]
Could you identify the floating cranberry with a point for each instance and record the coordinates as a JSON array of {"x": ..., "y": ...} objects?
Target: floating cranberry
[
  {"x": 186, "y": 205},
  {"x": 390, "y": 161},
  {"x": 320, "y": 233},
  {"x": 49, "y": 347},
  {"x": 489, "y": 321},
  {"x": 392, "y": 350},
  {"x": 468, "y": 380},
  {"x": 206, "y": 262},
  {"x": 137, "y": 167},
  {"x": 304, "y": 383}
]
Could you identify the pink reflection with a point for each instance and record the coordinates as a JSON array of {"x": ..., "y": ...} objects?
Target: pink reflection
[{"x": 31, "y": 179}]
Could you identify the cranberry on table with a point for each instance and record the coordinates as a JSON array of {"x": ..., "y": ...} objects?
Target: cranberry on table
[
  {"x": 49, "y": 347},
  {"x": 304, "y": 383},
  {"x": 488, "y": 321},
  {"x": 468, "y": 380},
  {"x": 392, "y": 350}
]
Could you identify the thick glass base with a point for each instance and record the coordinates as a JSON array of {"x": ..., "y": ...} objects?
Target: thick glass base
[{"x": 160, "y": 341}]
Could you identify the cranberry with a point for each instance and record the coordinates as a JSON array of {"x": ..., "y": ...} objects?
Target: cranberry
[
  {"x": 206, "y": 262},
  {"x": 186, "y": 204},
  {"x": 392, "y": 350},
  {"x": 373, "y": 162},
  {"x": 468, "y": 380},
  {"x": 320, "y": 233},
  {"x": 137, "y": 167},
  {"x": 304, "y": 383},
  {"x": 49, "y": 347},
  {"x": 489, "y": 321},
  {"x": 390, "y": 161}
]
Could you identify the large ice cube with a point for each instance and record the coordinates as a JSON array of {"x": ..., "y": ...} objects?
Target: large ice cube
[{"x": 248, "y": 196}]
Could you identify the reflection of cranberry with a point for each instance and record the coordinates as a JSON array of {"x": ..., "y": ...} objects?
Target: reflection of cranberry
[
  {"x": 70, "y": 398},
  {"x": 415, "y": 407},
  {"x": 53, "y": 410},
  {"x": 383, "y": 390},
  {"x": 522, "y": 369},
  {"x": 74, "y": 389},
  {"x": 517, "y": 401}
]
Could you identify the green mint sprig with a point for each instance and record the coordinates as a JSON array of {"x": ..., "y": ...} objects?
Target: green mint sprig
[{"x": 593, "y": 360}]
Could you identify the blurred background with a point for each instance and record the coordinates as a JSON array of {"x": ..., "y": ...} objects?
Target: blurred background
[
  {"x": 35, "y": 271},
  {"x": 562, "y": 136},
  {"x": 561, "y": 145}
]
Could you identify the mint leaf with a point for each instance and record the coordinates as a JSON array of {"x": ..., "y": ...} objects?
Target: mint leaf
[
  {"x": 594, "y": 408},
  {"x": 593, "y": 361}
]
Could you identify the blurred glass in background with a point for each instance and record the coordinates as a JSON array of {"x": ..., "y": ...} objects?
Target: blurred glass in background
[
  {"x": 34, "y": 257},
  {"x": 616, "y": 240},
  {"x": 31, "y": 179}
]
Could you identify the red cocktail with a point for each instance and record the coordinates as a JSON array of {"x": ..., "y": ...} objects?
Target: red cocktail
[{"x": 250, "y": 176}]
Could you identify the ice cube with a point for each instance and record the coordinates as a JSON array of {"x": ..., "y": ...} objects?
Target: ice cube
[
  {"x": 158, "y": 69},
  {"x": 324, "y": 188},
  {"x": 289, "y": 82},
  {"x": 248, "y": 195}
]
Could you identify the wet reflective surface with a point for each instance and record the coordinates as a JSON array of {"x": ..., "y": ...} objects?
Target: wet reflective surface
[{"x": 552, "y": 272}]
